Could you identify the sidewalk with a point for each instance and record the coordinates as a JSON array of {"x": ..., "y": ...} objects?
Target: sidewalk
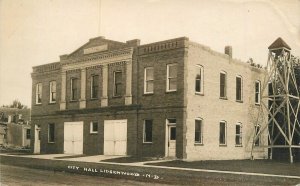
[{"x": 98, "y": 165}]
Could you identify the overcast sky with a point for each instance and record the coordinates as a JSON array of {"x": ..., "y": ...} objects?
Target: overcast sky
[{"x": 36, "y": 32}]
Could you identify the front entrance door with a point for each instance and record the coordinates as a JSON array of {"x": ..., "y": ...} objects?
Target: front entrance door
[
  {"x": 115, "y": 137},
  {"x": 73, "y": 137},
  {"x": 37, "y": 139},
  {"x": 171, "y": 141}
]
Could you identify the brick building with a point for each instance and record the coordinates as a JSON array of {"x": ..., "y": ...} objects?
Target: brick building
[{"x": 174, "y": 98}]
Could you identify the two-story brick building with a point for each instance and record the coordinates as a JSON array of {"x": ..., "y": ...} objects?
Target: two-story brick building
[{"x": 173, "y": 98}]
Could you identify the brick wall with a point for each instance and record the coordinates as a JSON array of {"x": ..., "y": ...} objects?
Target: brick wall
[
  {"x": 212, "y": 109},
  {"x": 45, "y": 107}
]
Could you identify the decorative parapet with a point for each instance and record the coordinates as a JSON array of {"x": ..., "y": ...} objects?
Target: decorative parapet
[
  {"x": 47, "y": 67},
  {"x": 101, "y": 56},
  {"x": 163, "y": 45}
]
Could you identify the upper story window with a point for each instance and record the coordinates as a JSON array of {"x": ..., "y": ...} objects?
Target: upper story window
[
  {"x": 239, "y": 88},
  {"x": 257, "y": 92},
  {"x": 238, "y": 134},
  {"x": 222, "y": 136},
  {"x": 198, "y": 131},
  {"x": 118, "y": 86},
  {"x": 147, "y": 131},
  {"x": 94, "y": 86},
  {"x": 38, "y": 93},
  {"x": 148, "y": 80},
  {"x": 52, "y": 91},
  {"x": 74, "y": 89},
  {"x": 223, "y": 84},
  {"x": 199, "y": 82},
  {"x": 171, "y": 77}
]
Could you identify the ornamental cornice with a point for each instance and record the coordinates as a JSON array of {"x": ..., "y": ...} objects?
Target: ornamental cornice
[{"x": 113, "y": 57}]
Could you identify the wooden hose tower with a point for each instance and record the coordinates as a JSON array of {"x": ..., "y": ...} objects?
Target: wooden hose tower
[{"x": 281, "y": 101}]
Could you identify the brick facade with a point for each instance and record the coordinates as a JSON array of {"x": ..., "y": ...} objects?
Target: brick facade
[{"x": 103, "y": 57}]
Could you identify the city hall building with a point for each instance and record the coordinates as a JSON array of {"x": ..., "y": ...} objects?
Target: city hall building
[{"x": 173, "y": 98}]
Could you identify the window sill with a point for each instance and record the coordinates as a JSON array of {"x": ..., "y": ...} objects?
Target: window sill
[
  {"x": 223, "y": 98},
  {"x": 93, "y": 99},
  {"x": 199, "y": 93},
  {"x": 93, "y": 133},
  {"x": 238, "y": 145},
  {"x": 257, "y": 104},
  {"x": 170, "y": 91},
  {"x": 239, "y": 101},
  {"x": 51, "y": 142},
  {"x": 148, "y": 93},
  {"x": 117, "y": 97},
  {"x": 222, "y": 145},
  {"x": 198, "y": 144},
  {"x": 73, "y": 101},
  {"x": 51, "y": 103},
  {"x": 38, "y": 104},
  {"x": 147, "y": 143}
]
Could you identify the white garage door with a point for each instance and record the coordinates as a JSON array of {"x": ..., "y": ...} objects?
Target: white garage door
[
  {"x": 115, "y": 137},
  {"x": 73, "y": 137}
]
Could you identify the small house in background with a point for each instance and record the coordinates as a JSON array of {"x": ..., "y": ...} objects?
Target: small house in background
[{"x": 14, "y": 127}]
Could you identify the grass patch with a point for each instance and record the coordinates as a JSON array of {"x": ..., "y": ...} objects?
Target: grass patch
[
  {"x": 256, "y": 166},
  {"x": 128, "y": 160}
]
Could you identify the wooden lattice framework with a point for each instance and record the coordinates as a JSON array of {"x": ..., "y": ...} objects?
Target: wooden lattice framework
[{"x": 280, "y": 99}]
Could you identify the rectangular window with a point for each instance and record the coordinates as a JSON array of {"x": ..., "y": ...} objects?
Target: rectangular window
[
  {"x": 257, "y": 141},
  {"x": 171, "y": 77},
  {"x": 38, "y": 93},
  {"x": 148, "y": 131},
  {"x": 222, "y": 139},
  {"x": 51, "y": 133},
  {"x": 238, "y": 134},
  {"x": 198, "y": 131},
  {"x": 223, "y": 85},
  {"x": 27, "y": 133},
  {"x": 239, "y": 89},
  {"x": 94, "y": 127},
  {"x": 257, "y": 92},
  {"x": 94, "y": 86},
  {"x": 148, "y": 80},
  {"x": 74, "y": 89},
  {"x": 199, "y": 80},
  {"x": 118, "y": 83},
  {"x": 52, "y": 91}
]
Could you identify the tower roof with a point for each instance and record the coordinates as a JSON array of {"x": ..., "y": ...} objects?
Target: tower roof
[{"x": 279, "y": 43}]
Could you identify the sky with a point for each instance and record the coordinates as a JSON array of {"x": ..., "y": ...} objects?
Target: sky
[{"x": 36, "y": 32}]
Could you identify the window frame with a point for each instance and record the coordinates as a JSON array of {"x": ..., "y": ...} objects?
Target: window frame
[
  {"x": 38, "y": 93},
  {"x": 200, "y": 69},
  {"x": 225, "y": 133},
  {"x": 240, "y": 135},
  {"x": 257, "y": 142},
  {"x": 225, "y": 85},
  {"x": 115, "y": 85},
  {"x": 241, "y": 88},
  {"x": 93, "y": 86},
  {"x": 169, "y": 78},
  {"x": 28, "y": 136},
  {"x": 51, "y": 92},
  {"x": 92, "y": 127},
  {"x": 144, "y": 131},
  {"x": 146, "y": 81},
  {"x": 49, "y": 133},
  {"x": 257, "y": 93},
  {"x": 201, "y": 132},
  {"x": 73, "y": 98}
]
